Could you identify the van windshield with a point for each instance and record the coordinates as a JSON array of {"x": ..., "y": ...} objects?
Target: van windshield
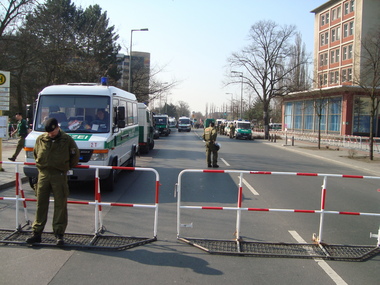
[
  {"x": 75, "y": 113},
  {"x": 161, "y": 120},
  {"x": 184, "y": 121},
  {"x": 245, "y": 126}
]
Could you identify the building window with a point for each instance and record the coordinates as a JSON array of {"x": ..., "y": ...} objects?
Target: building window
[
  {"x": 298, "y": 115},
  {"x": 308, "y": 115},
  {"x": 362, "y": 116},
  {"x": 334, "y": 117},
  {"x": 325, "y": 79},
  {"x": 345, "y": 30},
  {"x": 347, "y": 52},
  {"x": 344, "y": 75},
  {"x": 332, "y": 56},
  {"x": 351, "y": 29},
  {"x": 320, "y": 113},
  {"x": 346, "y": 8},
  {"x": 352, "y": 5},
  {"x": 323, "y": 59},
  {"x": 349, "y": 74},
  {"x": 336, "y": 13},
  {"x": 337, "y": 58},
  {"x": 288, "y": 116}
]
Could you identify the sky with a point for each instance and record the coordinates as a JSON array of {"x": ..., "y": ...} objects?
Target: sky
[{"x": 191, "y": 40}]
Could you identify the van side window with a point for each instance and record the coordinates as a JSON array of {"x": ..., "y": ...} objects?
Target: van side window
[{"x": 130, "y": 113}]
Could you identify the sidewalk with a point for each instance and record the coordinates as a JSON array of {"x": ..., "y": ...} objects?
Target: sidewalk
[
  {"x": 7, "y": 175},
  {"x": 338, "y": 155},
  {"x": 332, "y": 154}
]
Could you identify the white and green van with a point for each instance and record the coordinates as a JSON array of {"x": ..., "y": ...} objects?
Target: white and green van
[
  {"x": 107, "y": 140},
  {"x": 243, "y": 130}
]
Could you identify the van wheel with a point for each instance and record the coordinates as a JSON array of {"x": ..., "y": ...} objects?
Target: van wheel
[
  {"x": 144, "y": 149},
  {"x": 151, "y": 145}
]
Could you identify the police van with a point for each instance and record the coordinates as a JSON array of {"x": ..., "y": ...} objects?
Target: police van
[
  {"x": 184, "y": 124},
  {"x": 162, "y": 124},
  {"x": 103, "y": 121},
  {"x": 243, "y": 130},
  {"x": 146, "y": 129}
]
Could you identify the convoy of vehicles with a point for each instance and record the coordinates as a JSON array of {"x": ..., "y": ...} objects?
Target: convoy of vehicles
[
  {"x": 108, "y": 141},
  {"x": 109, "y": 126},
  {"x": 184, "y": 124}
]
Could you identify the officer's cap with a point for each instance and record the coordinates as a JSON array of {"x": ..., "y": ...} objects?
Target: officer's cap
[{"x": 51, "y": 124}]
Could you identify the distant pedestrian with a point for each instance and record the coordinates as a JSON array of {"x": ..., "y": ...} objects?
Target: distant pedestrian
[
  {"x": 55, "y": 153},
  {"x": 22, "y": 131},
  {"x": 209, "y": 136}
]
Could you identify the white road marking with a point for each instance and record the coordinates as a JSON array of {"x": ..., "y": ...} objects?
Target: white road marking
[
  {"x": 323, "y": 264},
  {"x": 225, "y": 162},
  {"x": 254, "y": 192}
]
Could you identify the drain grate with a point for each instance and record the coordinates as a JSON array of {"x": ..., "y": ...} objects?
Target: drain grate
[
  {"x": 76, "y": 241},
  {"x": 333, "y": 252}
]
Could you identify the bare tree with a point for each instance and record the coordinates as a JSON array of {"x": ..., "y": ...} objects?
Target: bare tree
[
  {"x": 265, "y": 63},
  {"x": 12, "y": 11},
  {"x": 369, "y": 77}
]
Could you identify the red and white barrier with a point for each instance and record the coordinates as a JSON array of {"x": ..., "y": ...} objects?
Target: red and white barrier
[
  {"x": 97, "y": 201},
  {"x": 239, "y": 207}
]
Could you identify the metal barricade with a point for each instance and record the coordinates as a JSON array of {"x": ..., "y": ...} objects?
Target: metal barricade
[
  {"x": 96, "y": 240},
  {"x": 318, "y": 249}
]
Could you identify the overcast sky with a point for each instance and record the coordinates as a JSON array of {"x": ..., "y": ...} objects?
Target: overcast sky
[{"x": 192, "y": 39}]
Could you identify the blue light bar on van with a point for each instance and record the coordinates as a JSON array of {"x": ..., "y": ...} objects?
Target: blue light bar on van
[{"x": 104, "y": 81}]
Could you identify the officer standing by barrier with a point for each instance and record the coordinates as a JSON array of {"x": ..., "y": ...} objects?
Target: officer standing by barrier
[
  {"x": 55, "y": 153},
  {"x": 22, "y": 132},
  {"x": 209, "y": 136}
]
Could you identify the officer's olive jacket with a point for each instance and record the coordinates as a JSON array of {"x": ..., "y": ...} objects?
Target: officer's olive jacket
[
  {"x": 210, "y": 134},
  {"x": 60, "y": 153}
]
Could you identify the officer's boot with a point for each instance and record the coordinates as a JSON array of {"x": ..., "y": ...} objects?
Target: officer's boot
[{"x": 34, "y": 239}]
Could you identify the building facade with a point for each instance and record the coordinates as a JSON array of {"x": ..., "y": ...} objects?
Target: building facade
[
  {"x": 336, "y": 102},
  {"x": 140, "y": 71}
]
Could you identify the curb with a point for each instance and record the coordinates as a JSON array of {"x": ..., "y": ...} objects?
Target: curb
[{"x": 12, "y": 183}]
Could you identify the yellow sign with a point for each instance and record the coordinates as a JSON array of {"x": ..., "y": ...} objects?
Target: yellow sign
[{"x": 3, "y": 78}]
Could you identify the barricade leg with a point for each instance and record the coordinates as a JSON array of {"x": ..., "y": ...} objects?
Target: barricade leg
[
  {"x": 239, "y": 204},
  {"x": 322, "y": 215}
]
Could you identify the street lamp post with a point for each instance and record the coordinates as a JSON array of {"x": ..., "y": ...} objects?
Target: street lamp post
[
  {"x": 231, "y": 110},
  {"x": 241, "y": 92},
  {"x": 130, "y": 58}
]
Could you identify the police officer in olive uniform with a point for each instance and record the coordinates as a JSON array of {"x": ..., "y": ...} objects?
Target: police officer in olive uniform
[
  {"x": 209, "y": 136},
  {"x": 22, "y": 131},
  {"x": 232, "y": 130},
  {"x": 55, "y": 153}
]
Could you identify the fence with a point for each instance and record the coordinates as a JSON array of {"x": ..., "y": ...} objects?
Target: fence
[
  {"x": 78, "y": 240},
  {"x": 249, "y": 248}
]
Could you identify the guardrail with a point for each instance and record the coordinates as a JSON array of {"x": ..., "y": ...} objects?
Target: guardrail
[
  {"x": 318, "y": 239},
  {"x": 97, "y": 203}
]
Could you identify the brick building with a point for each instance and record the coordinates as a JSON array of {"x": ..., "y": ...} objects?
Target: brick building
[{"x": 339, "y": 28}]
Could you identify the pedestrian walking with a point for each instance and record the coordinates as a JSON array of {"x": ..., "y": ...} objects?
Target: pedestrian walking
[
  {"x": 209, "y": 136},
  {"x": 22, "y": 132},
  {"x": 55, "y": 153}
]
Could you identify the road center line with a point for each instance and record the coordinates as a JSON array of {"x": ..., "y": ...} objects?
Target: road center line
[{"x": 323, "y": 264}]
